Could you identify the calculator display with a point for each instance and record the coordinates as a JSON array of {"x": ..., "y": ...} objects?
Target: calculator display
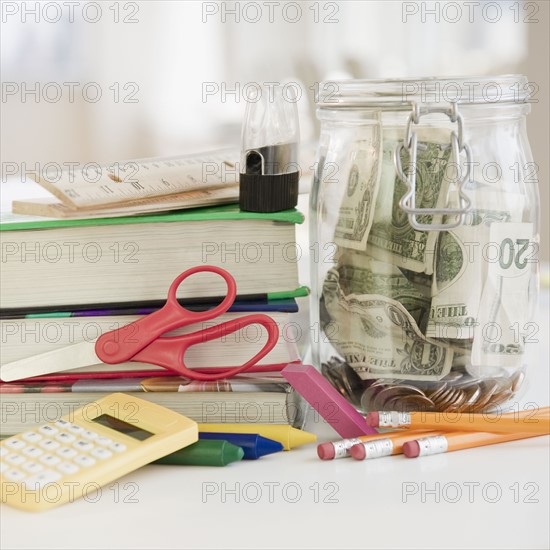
[{"x": 123, "y": 427}]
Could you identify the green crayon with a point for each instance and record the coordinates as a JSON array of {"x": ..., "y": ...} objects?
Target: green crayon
[{"x": 204, "y": 453}]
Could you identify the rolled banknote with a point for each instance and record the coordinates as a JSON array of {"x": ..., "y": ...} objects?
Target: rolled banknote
[
  {"x": 378, "y": 338},
  {"x": 361, "y": 173},
  {"x": 502, "y": 328},
  {"x": 461, "y": 264},
  {"x": 391, "y": 238},
  {"x": 361, "y": 274}
]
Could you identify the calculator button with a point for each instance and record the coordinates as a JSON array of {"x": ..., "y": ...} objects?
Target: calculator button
[
  {"x": 75, "y": 429},
  {"x": 67, "y": 468},
  {"x": 32, "y": 437},
  {"x": 117, "y": 447},
  {"x": 65, "y": 438},
  {"x": 3, "y": 451},
  {"x": 15, "y": 459},
  {"x": 62, "y": 424},
  {"x": 83, "y": 445},
  {"x": 14, "y": 444},
  {"x": 101, "y": 453},
  {"x": 65, "y": 452},
  {"x": 50, "y": 460},
  {"x": 32, "y": 452},
  {"x": 88, "y": 434},
  {"x": 48, "y": 430},
  {"x": 35, "y": 482},
  {"x": 14, "y": 475},
  {"x": 84, "y": 460},
  {"x": 103, "y": 441},
  {"x": 49, "y": 444},
  {"x": 32, "y": 467}
]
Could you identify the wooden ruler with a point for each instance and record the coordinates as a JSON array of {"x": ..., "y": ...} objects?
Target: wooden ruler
[{"x": 120, "y": 183}]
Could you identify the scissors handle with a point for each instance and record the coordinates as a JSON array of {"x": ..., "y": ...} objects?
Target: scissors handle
[
  {"x": 122, "y": 344},
  {"x": 169, "y": 352}
]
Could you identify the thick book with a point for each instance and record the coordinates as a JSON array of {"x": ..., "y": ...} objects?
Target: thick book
[
  {"x": 26, "y": 337},
  {"x": 246, "y": 398},
  {"x": 134, "y": 259}
]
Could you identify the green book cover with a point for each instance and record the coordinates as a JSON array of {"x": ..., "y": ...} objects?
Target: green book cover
[{"x": 15, "y": 222}]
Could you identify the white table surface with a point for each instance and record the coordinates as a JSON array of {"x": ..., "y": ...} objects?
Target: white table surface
[{"x": 491, "y": 497}]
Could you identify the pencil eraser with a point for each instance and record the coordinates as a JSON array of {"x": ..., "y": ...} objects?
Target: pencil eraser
[
  {"x": 411, "y": 449},
  {"x": 358, "y": 452},
  {"x": 326, "y": 400},
  {"x": 325, "y": 451},
  {"x": 373, "y": 419}
]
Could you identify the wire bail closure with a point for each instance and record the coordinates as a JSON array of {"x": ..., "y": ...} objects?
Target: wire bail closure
[{"x": 409, "y": 144}]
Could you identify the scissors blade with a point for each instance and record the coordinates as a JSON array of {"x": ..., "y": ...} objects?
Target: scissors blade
[{"x": 67, "y": 358}]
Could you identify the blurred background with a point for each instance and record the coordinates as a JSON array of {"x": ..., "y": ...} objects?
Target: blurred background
[{"x": 104, "y": 81}]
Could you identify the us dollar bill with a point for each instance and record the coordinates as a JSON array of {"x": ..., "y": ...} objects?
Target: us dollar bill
[
  {"x": 391, "y": 238},
  {"x": 378, "y": 338},
  {"x": 356, "y": 212},
  {"x": 461, "y": 265},
  {"x": 361, "y": 274},
  {"x": 500, "y": 335}
]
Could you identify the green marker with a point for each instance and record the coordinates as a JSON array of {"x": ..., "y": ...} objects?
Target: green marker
[{"x": 204, "y": 453}]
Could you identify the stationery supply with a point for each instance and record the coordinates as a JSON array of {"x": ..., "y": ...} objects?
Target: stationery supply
[
  {"x": 254, "y": 446},
  {"x": 457, "y": 441},
  {"x": 287, "y": 435},
  {"x": 270, "y": 173},
  {"x": 262, "y": 398},
  {"x": 535, "y": 422},
  {"x": 95, "y": 187},
  {"x": 413, "y": 440},
  {"x": 90, "y": 264},
  {"x": 318, "y": 392},
  {"x": 51, "y": 208},
  {"x": 204, "y": 453},
  {"x": 386, "y": 446},
  {"x": 143, "y": 186},
  {"x": 141, "y": 340},
  {"x": 88, "y": 448}
]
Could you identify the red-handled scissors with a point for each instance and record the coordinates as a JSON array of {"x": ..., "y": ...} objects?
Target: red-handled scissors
[{"x": 142, "y": 340}]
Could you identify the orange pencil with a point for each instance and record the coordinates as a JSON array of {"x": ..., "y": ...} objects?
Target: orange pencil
[
  {"x": 535, "y": 421},
  {"x": 457, "y": 441},
  {"x": 341, "y": 448},
  {"x": 387, "y": 446}
]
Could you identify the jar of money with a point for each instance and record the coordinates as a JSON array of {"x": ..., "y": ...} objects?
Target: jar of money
[{"x": 424, "y": 238}]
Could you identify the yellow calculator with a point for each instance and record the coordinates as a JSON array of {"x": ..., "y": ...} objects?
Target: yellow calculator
[{"x": 58, "y": 462}]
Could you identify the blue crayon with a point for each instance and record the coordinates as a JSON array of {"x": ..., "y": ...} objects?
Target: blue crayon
[{"x": 254, "y": 446}]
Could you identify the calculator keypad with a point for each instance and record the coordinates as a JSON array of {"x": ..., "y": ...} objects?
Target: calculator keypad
[{"x": 51, "y": 451}]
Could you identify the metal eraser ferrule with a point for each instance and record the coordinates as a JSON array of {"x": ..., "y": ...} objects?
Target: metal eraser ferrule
[{"x": 393, "y": 419}]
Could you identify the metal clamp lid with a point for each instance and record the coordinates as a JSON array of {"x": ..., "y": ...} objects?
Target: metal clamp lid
[{"x": 409, "y": 144}]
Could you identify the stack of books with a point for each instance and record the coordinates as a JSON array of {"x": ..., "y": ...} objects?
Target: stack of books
[{"x": 66, "y": 281}]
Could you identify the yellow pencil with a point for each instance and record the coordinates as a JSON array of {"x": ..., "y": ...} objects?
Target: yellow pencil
[
  {"x": 457, "y": 441},
  {"x": 536, "y": 421}
]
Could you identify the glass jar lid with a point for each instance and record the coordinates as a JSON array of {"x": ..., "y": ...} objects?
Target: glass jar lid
[{"x": 400, "y": 94}]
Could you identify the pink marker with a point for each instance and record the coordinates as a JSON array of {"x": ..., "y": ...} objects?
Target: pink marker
[{"x": 326, "y": 400}]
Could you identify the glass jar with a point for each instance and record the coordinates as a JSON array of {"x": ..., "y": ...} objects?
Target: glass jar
[{"x": 424, "y": 229}]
